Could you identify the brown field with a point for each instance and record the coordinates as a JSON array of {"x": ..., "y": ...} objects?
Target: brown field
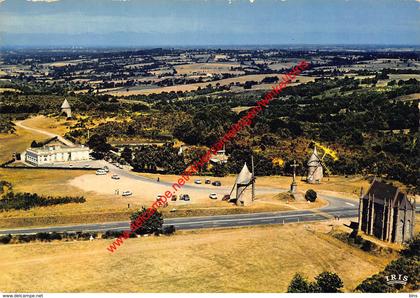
[
  {"x": 255, "y": 259},
  {"x": 192, "y": 87},
  {"x": 410, "y": 97},
  {"x": 9, "y": 89},
  {"x": 212, "y": 68}
]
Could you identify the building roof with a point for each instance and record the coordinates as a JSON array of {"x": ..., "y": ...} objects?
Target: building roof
[
  {"x": 388, "y": 194},
  {"x": 65, "y": 104},
  {"x": 244, "y": 177}
]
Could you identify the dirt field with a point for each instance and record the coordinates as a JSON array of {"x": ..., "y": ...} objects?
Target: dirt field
[
  {"x": 192, "y": 87},
  {"x": 211, "y": 68},
  {"x": 257, "y": 259}
]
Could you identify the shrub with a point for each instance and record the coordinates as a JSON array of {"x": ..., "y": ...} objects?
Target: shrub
[
  {"x": 299, "y": 284},
  {"x": 25, "y": 238},
  {"x": 367, "y": 245},
  {"x": 169, "y": 230},
  {"x": 328, "y": 282},
  {"x": 375, "y": 284},
  {"x": 310, "y": 195},
  {"x": 153, "y": 224},
  {"x": 6, "y": 239},
  {"x": 27, "y": 201},
  {"x": 111, "y": 234}
]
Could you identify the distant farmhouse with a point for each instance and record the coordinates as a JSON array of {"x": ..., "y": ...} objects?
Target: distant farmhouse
[
  {"x": 56, "y": 150},
  {"x": 66, "y": 109},
  {"x": 220, "y": 157},
  {"x": 386, "y": 213}
]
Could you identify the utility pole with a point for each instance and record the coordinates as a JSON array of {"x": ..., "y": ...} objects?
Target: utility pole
[
  {"x": 253, "y": 177},
  {"x": 293, "y": 186}
]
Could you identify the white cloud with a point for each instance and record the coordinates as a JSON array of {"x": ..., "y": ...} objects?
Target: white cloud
[{"x": 43, "y": 1}]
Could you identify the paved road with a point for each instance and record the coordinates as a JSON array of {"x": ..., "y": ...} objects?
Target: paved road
[
  {"x": 344, "y": 208},
  {"x": 336, "y": 207},
  {"x": 218, "y": 221}
]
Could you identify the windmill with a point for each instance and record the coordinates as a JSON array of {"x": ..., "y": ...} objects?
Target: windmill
[
  {"x": 243, "y": 181},
  {"x": 316, "y": 163}
]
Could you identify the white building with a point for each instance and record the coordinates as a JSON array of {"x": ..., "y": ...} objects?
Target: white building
[{"x": 56, "y": 151}]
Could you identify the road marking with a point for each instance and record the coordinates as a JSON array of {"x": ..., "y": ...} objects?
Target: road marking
[
  {"x": 235, "y": 220},
  {"x": 350, "y": 204}
]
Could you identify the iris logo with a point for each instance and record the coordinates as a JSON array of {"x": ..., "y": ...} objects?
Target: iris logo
[{"x": 396, "y": 279}]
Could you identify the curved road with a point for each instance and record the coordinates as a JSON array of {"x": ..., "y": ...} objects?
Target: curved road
[{"x": 344, "y": 208}]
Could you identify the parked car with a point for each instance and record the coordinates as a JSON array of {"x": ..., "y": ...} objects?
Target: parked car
[
  {"x": 174, "y": 197},
  {"x": 87, "y": 166},
  {"x": 226, "y": 198},
  {"x": 213, "y": 196},
  {"x": 120, "y": 166},
  {"x": 115, "y": 176},
  {"x": 198, "y": 181},
  {"x": 106, "y": 169},
  {"x": 100, "y": 172},
  {"x": 185, "y": 197},
  {"x": 208, "y": 181},
  {"x": 126, "y": 193},
  {"x": 217, "y": 183}
]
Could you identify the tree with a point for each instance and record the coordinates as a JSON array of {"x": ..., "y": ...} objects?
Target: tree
[
  {"x": 127, "y": 154},
  {"x": 99, "y": 146},
  {"x": 220, "y": 170},
  {"x": 328, "y": 282},
  {"x": 151, "y": 225},
  {"x": 311, "y": 195},
  {"x": 299, "y": 284},
  {"x": 374, "y": 284}
]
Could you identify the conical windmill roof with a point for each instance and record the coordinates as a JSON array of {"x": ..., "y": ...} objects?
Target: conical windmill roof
[
  {"x": 245, "y": 176},
  {"x": 314, "y": 160},
  {"x": 65, "y": 104}
]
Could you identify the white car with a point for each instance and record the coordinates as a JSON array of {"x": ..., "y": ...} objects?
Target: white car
[
  {"x": 115, "y": 176},
  {"x": 126, "y": 193},
  {"x": 197, "y": 181},
  {"x": 213, "y": 196},
  {"x": 100, "y": 172}
]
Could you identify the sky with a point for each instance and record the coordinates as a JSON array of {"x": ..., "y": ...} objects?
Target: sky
[{"x": 145, "y": 23}]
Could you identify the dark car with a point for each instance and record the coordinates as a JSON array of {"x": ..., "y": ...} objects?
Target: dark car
[
  {"x": 185, "y": 197},
  {"x": 226, "y": 198},
  {"x": 208, "y": 181},
  {"x": 217, "y": 183}
]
